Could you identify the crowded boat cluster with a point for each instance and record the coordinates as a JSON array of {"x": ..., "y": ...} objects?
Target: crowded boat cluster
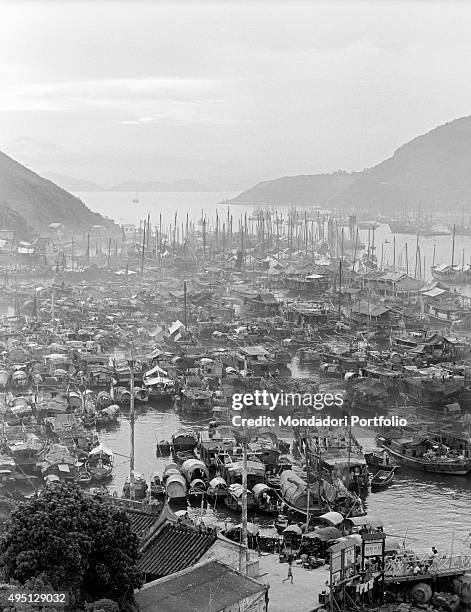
[{"x": 187, "y": 318}]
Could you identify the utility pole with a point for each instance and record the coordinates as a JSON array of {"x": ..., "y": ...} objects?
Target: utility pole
[
  {"x": 245, "y": 545},
  {"x": 143, "y": 249},
  {"x": 131, "y": 427},
  {"x": 184, "y": 302}
]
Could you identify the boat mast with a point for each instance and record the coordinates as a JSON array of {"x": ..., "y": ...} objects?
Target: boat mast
[{"x": 453, "y": 247}]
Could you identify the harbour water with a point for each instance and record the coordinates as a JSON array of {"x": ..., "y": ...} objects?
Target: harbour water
[
  {"x": 420, "y": 509},
  {"x": 119, "y": 206}
]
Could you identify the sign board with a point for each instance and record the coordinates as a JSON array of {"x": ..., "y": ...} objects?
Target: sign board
[
  {"x": 336, "y": 562},
  {"x": 373, "y": 549},
  {"x": 349, "y": 556}
]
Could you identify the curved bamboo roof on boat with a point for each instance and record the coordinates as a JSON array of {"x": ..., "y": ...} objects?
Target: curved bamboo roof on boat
[{"x": 190, "y": 466}]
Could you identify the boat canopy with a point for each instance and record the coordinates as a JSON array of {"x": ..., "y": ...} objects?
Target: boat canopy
[
  {"x": 334, "y": 518},
  {"x": 324, "y": 534},
  {"x": 190, "y": 466},
  {"x": 256, "y": 468},
  {"x": 197, "y": 483},
  {"x": 360, "y": 521},
  {"x": 175, "y": 478},
  {"x": 236, "y": 490},
  {"x": 99, "y": 450},
  {"x": 260, "y": 488},
  {"x": 218, "y": 481},
  {"x": 170, "y": 470}
]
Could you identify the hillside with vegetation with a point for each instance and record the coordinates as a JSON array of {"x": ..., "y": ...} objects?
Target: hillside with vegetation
[
  {"x": 432, "y": 170},
  {"x": 28, "y": 200}
]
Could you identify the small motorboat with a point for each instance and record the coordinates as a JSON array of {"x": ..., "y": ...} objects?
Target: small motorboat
[
  {"x": 381, "y": 459},
  {"x": 382, "y": 479}
]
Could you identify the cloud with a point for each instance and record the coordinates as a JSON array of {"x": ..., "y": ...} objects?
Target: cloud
[
  {"x": 30, "y": 146},
  {"x": 141, "y": 101}
]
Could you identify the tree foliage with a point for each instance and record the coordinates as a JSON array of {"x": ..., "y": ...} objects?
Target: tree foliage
[{"x": 77, "y": 543}]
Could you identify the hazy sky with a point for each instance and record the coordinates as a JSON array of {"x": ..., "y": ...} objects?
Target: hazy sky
[{"x": 225, "y": 92}]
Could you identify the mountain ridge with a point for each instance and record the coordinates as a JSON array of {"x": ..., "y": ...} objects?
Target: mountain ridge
[
  {"x": 30, "y": 201},
  {"x": 432, "y": 169}
]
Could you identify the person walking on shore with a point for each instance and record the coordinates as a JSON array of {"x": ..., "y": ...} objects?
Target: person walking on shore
[{"x": 290, "y": 571}]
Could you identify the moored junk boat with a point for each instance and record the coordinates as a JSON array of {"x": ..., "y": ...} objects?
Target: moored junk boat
[
  {"x": 266, "y": 499},
  {"x": 308, "y": 354},
  {"x": 233, "y": 499},
  {"x": 380, "y": 458},
  {"x": 451, "y": 274},
  {"x": 321, "y": 496},
  {"x": 217, "y": 488},
  {"x": 26, "y": 452},
  {"x": 139, "y": 486},
  {"x": 184, "y": 440},
  {"x": 194, "y": 469},
  {"x": 197, "y": 490},
  {"x": 57, "y": 464},
  {"x": 107, "y": 416},
  {"x": 294, "y": 491},
  {"x": 214, "y": 445},
  {"x": 430, "y": 391},
  {"x": 141, "y": 395},
  {"x": 428, "y": 453},
  {"x": 100, "y": 463},
  {"x": 122, "y": 396},
  {"x": 103, "y": 400},
  {"x": 175, "y": 484},
  {"x": 158, "y": 384},
  {"x": 195, "y": 401},
  {"x": 234, "y": 466},
  {"x": 339, "y": 455}
]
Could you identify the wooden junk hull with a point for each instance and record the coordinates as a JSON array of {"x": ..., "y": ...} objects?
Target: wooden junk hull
[{"x": 451, "y": 468}]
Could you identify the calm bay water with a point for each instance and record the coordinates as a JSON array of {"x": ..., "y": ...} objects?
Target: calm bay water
[{"x": 119, "y": 206}]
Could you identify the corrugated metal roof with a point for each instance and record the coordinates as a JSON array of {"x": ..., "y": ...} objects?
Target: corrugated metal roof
[{"x": 173, "y": 548}]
